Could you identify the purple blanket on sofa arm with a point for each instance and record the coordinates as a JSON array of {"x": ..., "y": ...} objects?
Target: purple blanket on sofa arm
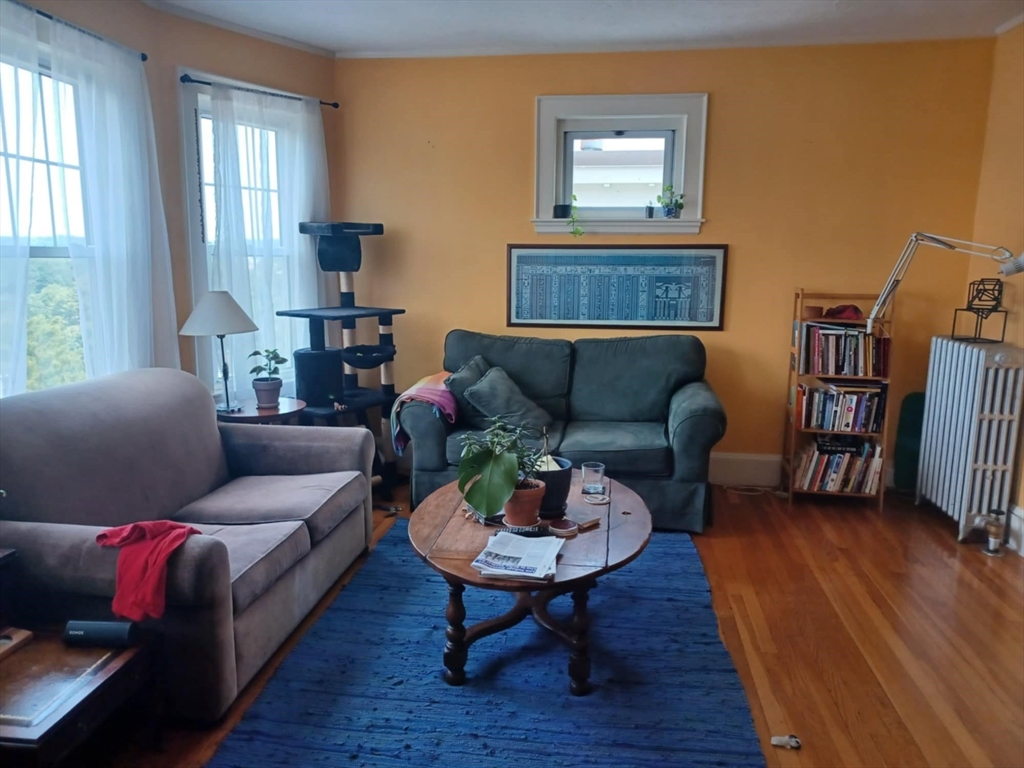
[{"x": 429, "y": 389}]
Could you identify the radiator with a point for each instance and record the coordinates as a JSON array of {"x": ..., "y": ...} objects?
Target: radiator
[{"x": 969, "y": 438}]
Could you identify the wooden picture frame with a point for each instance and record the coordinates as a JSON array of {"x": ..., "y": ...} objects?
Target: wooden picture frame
[{"x": 631, "y": 287}]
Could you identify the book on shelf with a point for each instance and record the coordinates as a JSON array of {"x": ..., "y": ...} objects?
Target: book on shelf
[
  {"x": 841, "y": 406},
  {"x": 839, "y": 350},
  {"x": 839, "y": 466}
]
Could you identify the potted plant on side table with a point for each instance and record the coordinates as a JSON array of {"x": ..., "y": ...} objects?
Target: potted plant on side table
[
  {"x": 497, "y": 473},
  {"x": 267, "y": 387}
]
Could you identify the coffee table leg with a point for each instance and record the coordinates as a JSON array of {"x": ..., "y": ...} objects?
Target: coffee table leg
[
  {"x": 579, "y": 655},
  {"x": 455, "y": 650}
]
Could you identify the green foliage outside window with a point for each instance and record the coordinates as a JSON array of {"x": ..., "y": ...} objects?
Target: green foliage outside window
[{"x": 55, "y": 354}]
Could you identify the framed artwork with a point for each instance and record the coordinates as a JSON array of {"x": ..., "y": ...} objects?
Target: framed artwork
[{"x": 616, "y": 286}]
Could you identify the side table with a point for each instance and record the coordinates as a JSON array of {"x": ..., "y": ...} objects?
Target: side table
[
  {"x": 287, "y": 410},
  {"x": 53, "y": 697}
]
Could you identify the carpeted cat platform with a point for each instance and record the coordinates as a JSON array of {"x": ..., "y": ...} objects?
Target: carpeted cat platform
[{"x": 363, "y": 687}]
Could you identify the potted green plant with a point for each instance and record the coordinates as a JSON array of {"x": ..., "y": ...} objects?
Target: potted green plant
[
  {"x": 497, "y": 473},
  {"x": 267, "y": 387},
  {"x": 670, "y": 202}
]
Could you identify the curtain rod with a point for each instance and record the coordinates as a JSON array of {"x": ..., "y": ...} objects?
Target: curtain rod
[
  {"x": 188, "y": 79},
  {"x": 84, "y": 31}
]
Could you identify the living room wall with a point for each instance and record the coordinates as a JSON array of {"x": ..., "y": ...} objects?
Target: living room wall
[
  {"x": 171, "y": 41},
  {"x": 999, "y": 219},
  {"x": 820, "y": 163}
]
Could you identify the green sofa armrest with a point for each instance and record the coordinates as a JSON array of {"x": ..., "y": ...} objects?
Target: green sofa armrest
[
  {"x": 428, "y": 432},
  {"x": 65, "y": 558},
  {"x": 696, "y": 422}
]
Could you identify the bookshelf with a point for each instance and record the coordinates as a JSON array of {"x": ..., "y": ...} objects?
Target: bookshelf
[{"x": 838, "y": 401}]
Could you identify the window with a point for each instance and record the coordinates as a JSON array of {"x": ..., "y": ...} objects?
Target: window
[
  {"x": 616, "y": 154},
  {"x": 41, "y": 196},
  {"x": 254, "y": 171}
]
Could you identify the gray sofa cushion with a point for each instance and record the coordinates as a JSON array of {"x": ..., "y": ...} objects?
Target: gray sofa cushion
[
  {"x": 320, "y": 501},
  {"x": 258, "y": 555},
  {"x": 632, "y": 448},
  {"x": 540, "y": 367},
  {"x": 497, "y": 395},
  {"x": 632, "y": 379},
  {"x": 464, "y": 378},
  {"x": 453, "y": 444}
]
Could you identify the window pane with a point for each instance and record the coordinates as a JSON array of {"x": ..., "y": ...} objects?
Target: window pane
[
  {"x": 611, "y": 173},
  {"x": 272, "y": 143},
  {"x": 206, "y": 148},
  {"x": 210, "y": 213},
  {"x": 55, "y": 353},
  {"x": 68, "y": 123}
]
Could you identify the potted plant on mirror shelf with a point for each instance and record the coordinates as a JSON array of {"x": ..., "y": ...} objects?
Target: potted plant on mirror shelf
[
  {"x": 267, "y": 383},
  {"x": 497, "y": 473},
  {"x": 670, "y": 202}
]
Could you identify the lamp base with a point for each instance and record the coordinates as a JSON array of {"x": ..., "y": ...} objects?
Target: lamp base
[{"x": 228, "y": 408}]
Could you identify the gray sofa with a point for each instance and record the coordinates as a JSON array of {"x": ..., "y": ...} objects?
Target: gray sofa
[
  {"x": 640, "y": 405},
  {"x": 283, "y": 511}
]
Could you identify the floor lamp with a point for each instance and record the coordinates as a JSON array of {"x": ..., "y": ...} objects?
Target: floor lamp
[{"x": 218, "y": 314}]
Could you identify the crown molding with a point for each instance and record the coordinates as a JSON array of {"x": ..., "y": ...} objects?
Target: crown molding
[
  {"x": 202, "y": 18},
  {"x": 1006, "y": 26}
]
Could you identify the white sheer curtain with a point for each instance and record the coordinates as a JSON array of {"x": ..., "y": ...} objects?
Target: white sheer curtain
[
  {"x": 81, "y": 206},
  {"x": 269, "y": 172}
]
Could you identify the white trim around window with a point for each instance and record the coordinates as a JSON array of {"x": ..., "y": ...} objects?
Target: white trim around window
[{"x": 684, "y": 115}]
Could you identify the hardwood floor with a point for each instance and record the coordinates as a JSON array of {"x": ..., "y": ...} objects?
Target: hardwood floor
[{"x": 878, "y": 640}]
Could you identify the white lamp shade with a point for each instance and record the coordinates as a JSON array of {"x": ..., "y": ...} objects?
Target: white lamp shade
[{"x": 217, "y": 314}]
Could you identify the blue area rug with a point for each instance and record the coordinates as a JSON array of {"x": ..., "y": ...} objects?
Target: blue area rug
[{"x": 364, "y": 688}]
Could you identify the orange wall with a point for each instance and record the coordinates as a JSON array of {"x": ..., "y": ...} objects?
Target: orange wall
[
  {"x": 820, "y": 163},
  {"x": 999, "y": 219},
  {"x": 170, "y": 42}
]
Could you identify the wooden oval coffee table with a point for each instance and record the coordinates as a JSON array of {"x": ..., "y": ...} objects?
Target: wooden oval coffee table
[{"x": 448, "y": 542}]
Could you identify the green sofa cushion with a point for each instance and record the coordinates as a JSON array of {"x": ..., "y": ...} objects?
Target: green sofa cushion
[
  {"x": 453, "y": 445},
  {"x": 631, "y": 379},
  {"x": 629, "y": 448},
  {"x": 465, "y": 377},
  {"x": 539, "y": 367},
  {"x": 497, "y": 395}
]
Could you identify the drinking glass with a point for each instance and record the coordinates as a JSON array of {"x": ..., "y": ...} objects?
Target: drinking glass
[{"x": 593, "y": 477}]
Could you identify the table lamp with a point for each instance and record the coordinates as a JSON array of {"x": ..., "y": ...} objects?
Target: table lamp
[{"x": 218, "y": 314}]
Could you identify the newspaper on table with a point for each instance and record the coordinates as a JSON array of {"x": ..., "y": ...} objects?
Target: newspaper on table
[{"x": 509, "y": 556}]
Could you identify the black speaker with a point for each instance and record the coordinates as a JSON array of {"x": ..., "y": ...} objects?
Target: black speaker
[{"x": 101, "y": 634}]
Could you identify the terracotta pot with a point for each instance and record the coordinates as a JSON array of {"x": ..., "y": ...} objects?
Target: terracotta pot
[
  {"x": 522, "y": 508},
  {"x": 268, "y": 392}
]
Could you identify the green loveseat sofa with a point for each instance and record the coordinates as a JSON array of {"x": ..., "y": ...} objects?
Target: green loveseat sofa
[{"x": 639, "y": 405}]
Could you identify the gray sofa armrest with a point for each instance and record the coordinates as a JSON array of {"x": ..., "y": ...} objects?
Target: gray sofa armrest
[
  {"x": 66, "y": 558},
  {"x": 429, "y": 432},
  {"x": 696, "y": 422},
  {"x": 253, "y": 449}
]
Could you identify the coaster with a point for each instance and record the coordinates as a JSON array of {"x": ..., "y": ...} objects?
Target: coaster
[
  {"x": 563, "y": 528},
  {"x": 597, "y": 498}
]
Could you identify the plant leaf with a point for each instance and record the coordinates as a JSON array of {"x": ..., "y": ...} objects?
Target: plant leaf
[
  {"x": 257, "y": 353},
  {"x": 257, "y": 369},
  {"x": 494, "y": 484}
]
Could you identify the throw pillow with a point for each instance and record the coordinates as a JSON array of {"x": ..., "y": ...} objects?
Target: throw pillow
[
  {"x": 459, "y": 382},
  {"x": 497, "y": 395}
]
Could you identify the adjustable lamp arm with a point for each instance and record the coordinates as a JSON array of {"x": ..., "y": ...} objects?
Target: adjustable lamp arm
[{"x": 1010, "y": 264}]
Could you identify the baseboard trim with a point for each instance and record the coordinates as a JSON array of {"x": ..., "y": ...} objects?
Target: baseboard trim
[
  {"x": 1015, "y": 526},
  {"x": 758, "y": 469}
]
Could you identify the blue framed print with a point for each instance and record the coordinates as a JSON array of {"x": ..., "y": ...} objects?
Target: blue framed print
[{"x": 617, "y": 286}]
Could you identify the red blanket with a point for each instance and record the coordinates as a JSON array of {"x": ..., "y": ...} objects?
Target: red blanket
[{"x": 141, "y": 590}]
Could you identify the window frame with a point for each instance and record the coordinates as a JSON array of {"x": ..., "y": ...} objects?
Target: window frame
[{"x": 686, "y": 114}]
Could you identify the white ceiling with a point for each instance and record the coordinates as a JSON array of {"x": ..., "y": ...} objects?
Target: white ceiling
[{"x": 396, "y": 28}]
